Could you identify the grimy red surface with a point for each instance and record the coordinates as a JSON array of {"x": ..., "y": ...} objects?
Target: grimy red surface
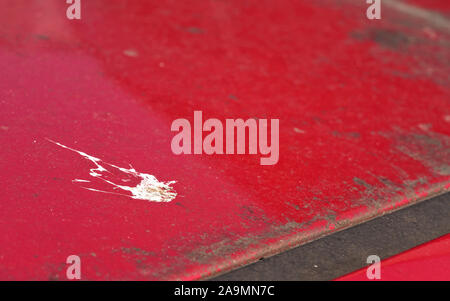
[{"x": 364, "y": 123}]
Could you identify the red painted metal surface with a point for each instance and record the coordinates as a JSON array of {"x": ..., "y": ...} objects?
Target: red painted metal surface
[
  {"x": 364, "y": 124},
  {"x": 427, "y": 262},
  {"x": 434, "y": 5}
]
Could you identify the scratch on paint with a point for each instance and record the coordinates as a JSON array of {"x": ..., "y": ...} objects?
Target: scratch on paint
[{"x": 149, "y": 188}]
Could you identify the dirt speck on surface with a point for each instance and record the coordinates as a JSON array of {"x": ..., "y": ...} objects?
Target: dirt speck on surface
[
  {"x": 131, "y": 52},
  {"x": 194, "y": 30}
]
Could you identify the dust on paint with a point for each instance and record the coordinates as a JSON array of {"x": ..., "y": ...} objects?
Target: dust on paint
[{"x": 149, "y": 188}]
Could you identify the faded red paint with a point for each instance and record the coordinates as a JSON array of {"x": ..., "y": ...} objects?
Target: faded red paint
[
  {"x": 370, "y": 99},
  {"x": 440, "y": 6},
  {"x": 429, "y": 262}
]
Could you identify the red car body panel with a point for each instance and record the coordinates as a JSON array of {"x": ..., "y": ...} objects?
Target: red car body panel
[
  {"x": 364, "y": 129},
  {"x": 427, "y": 262},
  {"x": 440, "y": 6}
]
